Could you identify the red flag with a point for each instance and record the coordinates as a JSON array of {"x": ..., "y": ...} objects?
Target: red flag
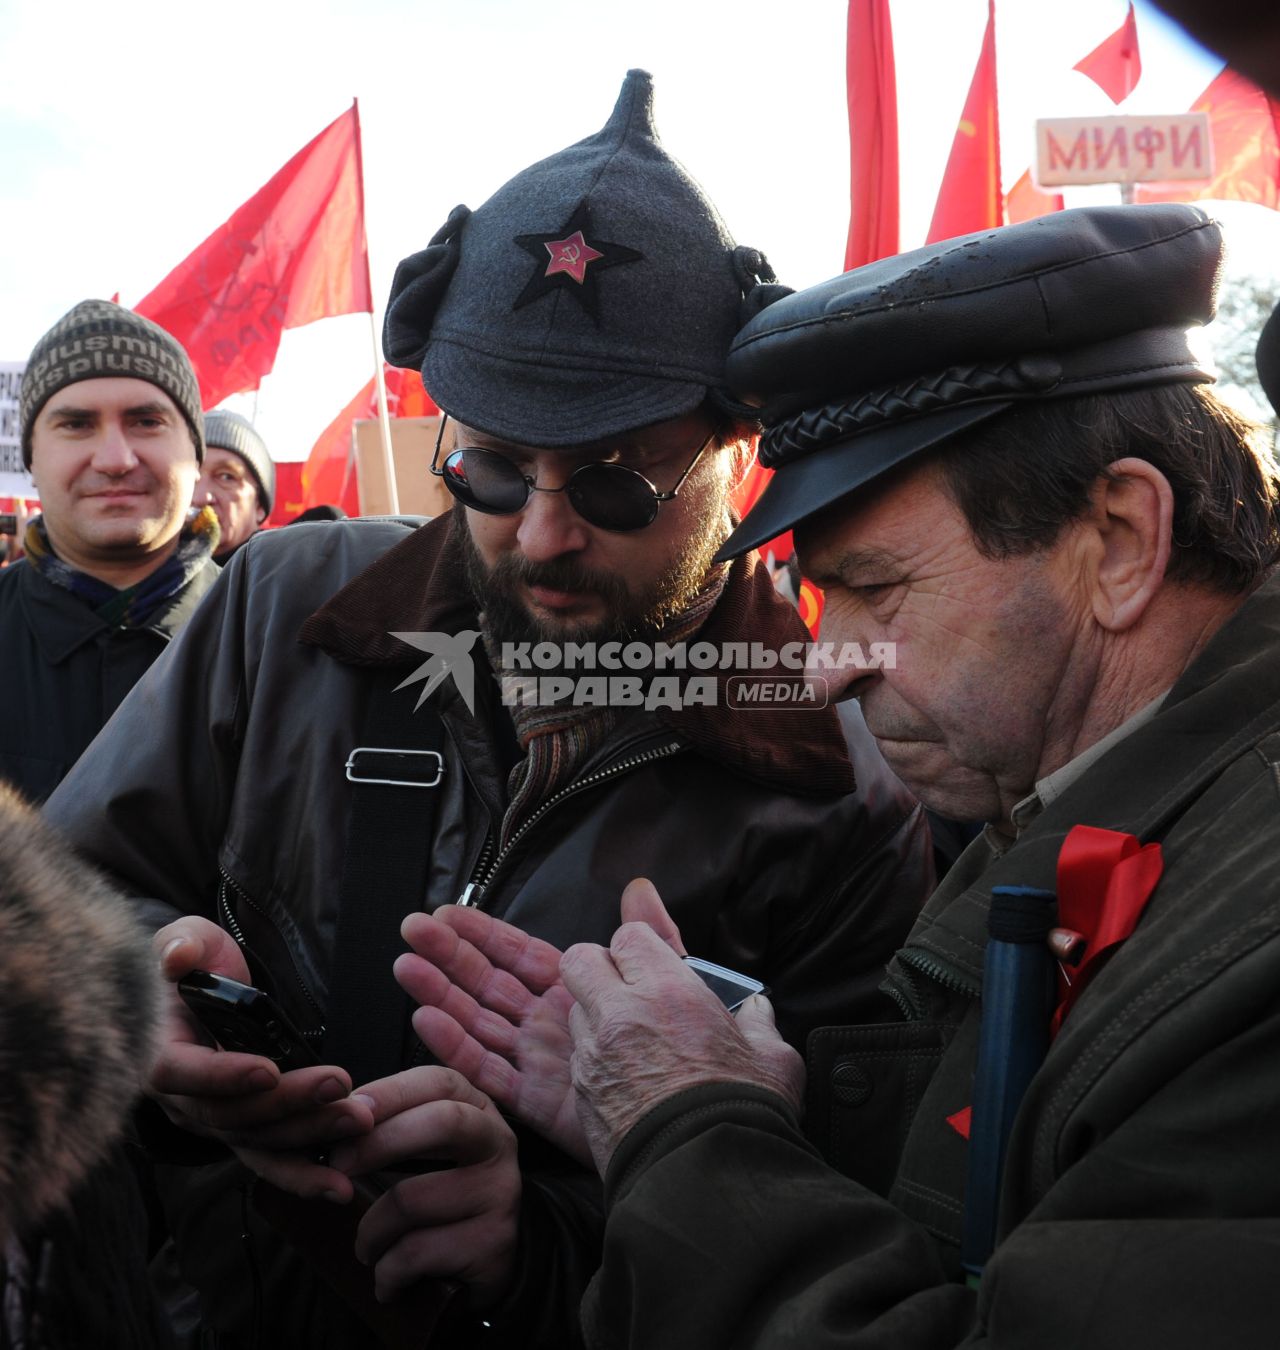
[
  {"x": 329, "y": 475},
  {"x": 873, "y": 134},
  {"x": 1244, "y": 126},
  {"x": 293, "y": 253},
  {"x": 1115, "y": 64},
  {"x": 1025, "y": 201},
  {"x": 970, "y": 197}
]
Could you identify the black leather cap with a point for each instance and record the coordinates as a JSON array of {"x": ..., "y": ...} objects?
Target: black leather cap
[{"x": 861, "y": 373}]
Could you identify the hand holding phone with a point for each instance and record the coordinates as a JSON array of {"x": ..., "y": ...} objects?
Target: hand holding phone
[
  {"x": 240, "y": 1017},
  {"x": 730, "y": 987}
]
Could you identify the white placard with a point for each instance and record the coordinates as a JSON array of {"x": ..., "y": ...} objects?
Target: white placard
[
  {"x": 15, "y": 481},
  {"x": 1153, "y": 149}
]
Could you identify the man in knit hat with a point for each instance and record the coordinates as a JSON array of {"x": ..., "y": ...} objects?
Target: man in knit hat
[
  {"x": 112, "y": 435},
  {"x": 573, "y": 653},
  {"x": 237, "y": 479}
]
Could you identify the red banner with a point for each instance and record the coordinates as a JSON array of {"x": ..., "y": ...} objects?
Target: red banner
[
  {"x": 1115, "y": 64},
  {"x": 293, "y": 253},
  {"x": 1244, "y": 125},
  {"x": 970, "y": 197},
  {"x": 873, "y": 134},
  {"x": 329, "y": 474}
]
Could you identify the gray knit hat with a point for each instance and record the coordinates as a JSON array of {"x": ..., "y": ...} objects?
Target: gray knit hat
[
  {"x": 231, "y": 431},
  {"x": 598, "y": 291},
  {"x": 99, "y": 340}
]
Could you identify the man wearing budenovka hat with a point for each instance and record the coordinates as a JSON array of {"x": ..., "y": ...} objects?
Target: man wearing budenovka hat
[
  {"x": 574, "y": 328},
  {"x": 999, "y": 454}
]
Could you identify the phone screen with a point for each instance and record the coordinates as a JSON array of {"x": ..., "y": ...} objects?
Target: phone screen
[{"x": 731, "y": 988}]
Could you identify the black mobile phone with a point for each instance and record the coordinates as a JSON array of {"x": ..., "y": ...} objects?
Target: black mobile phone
[
  {"x": 240, "y": 1017},
  {"x": 8, "y": 522},
  {"x": 731, "y": 988}
]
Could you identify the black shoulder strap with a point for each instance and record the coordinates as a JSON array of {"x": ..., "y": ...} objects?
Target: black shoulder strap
[{"x": 398, "y": 773}]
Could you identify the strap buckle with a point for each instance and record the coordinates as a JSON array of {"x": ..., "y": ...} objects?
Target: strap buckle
[{"x": 396, "y": 761}]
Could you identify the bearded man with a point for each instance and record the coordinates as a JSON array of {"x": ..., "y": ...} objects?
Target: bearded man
[{"x": 574, "y": 328}]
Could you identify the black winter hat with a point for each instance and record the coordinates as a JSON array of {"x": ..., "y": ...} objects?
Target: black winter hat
[
  {"x": 597, "y": 292},
  {"x": 862, "y": 373},
  {"x": 230, "y": 431},
  {"x": 101, "y": 340}
]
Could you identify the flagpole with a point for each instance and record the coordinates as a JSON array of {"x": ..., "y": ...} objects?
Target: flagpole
[{"x": 380, "y": 383}]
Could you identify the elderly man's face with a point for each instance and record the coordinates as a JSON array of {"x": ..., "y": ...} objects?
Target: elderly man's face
[{"x": 986, "y": 681}]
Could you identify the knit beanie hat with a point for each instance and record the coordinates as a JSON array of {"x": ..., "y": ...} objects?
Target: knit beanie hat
[
  {"x": 231, "y": 431},
  {"x": 597, "y": 292},
  {"x": 99, "y": 340}
]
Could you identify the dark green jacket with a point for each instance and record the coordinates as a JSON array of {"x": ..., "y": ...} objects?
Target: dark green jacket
[
  {"x": 64, "y": 671},
  {"x": 1141, "y": 1198}
]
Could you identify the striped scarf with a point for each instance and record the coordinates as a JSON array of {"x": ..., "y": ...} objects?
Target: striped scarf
[
  {"x": 135, "y": 605},
  {"x": 560, "y": 738}
]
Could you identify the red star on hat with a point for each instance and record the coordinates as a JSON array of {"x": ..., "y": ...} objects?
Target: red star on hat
[
  {"x": 571, "y": 256},
  {"x": 574, "y": 265}
]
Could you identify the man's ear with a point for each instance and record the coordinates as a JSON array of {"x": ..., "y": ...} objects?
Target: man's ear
[
  {"x": 1132, "y": 516},
  {"x": 262, "y": 516}
]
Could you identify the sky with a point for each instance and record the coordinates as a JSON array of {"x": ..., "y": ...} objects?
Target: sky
[{"x": 130, "y": 131}]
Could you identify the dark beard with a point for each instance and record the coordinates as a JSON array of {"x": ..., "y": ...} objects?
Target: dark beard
[{"x": 632, "y": 617}]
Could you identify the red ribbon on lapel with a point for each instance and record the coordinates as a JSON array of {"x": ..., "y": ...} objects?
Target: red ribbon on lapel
[{"x": 1105, "y": 879}]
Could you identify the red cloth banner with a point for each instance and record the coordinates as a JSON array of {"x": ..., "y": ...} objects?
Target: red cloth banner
[
  {"x": 1244, "y": 125},
  {"x": 1105, "y": 879},
  {"x": 873, "y": 134},
  {"x": 293, "y": 253},
  {"x": 970, "y": 198},
  {"x": 1025, "y": 201},
  {"x": 1115, "y": 64},
  {"x": 329, "y": 474}
]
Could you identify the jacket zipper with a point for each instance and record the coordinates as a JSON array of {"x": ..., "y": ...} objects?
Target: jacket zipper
[
  {"x": 233, "y": 927},
  {"x": 939, "y": 972},
  {"x": 474, "y": 892}
]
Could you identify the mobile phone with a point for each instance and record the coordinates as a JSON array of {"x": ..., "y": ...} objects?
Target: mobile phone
[
  {"x": 8, "y": 522},
  {"x": 731, "y": 988},
  {"x": 240, "y": 1017}
]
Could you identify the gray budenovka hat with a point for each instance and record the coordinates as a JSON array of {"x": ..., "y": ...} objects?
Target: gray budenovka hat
[
  {"x": 859, "y": 374},
  {"x": 231, "y": 431},
  {"x": 596, "y": 292}
]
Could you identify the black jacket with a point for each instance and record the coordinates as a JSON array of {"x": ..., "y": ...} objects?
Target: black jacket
[
  {"x": 64, "y": 671},
  {"x": 746, "y": 823},
  {"x": 1141, "y": 1199}
]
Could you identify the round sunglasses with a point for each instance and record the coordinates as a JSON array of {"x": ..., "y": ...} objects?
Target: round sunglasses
[{"x": 609, "y": 496}]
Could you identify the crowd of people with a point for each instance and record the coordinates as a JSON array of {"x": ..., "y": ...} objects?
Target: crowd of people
[{"x": 496, "y": 808}]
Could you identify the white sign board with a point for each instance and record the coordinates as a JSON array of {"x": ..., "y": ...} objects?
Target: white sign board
[
  {"x": 15, "y": 481},
  {"x": 1153, "y": 149}
]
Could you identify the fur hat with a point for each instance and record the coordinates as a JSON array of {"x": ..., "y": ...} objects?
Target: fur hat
[{"x": 79, "y": 1006}]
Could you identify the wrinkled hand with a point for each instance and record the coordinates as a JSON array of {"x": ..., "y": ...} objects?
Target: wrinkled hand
[
  {"x": 645, "y": 1027},
  {"x": 494, "y": 1008},
  {"x": 459, "y": 1223},
  {"x": 277, "y": 1124}
]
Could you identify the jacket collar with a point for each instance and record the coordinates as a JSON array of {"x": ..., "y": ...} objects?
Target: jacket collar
[
  {"x": 61, "y": 623},
  {"x": 420, "y": 585},
  {"x": 1227, "y": 700}
]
